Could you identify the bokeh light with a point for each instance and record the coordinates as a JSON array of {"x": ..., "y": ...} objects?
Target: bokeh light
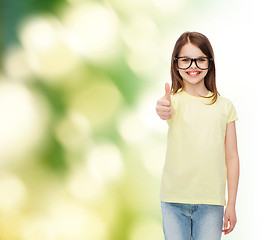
[
  {"x": 95, "y": 27},
  {"x": 48, "y": 53},
  {"x": 105, "y": 163},
  {"x": 13, "y": 193},
  {"x": 23, "y": 120}
]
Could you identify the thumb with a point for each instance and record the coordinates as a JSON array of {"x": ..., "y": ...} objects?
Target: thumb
[{"x": 167, "y": 92}]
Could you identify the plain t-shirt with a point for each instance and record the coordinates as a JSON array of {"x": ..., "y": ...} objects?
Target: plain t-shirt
[{"x": 195, "y": 169}]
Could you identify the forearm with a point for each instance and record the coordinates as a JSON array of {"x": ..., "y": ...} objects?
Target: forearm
[{"x": 232, "y": 180}]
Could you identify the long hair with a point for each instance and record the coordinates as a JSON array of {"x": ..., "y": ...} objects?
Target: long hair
[{"x": 203, "y": 43}]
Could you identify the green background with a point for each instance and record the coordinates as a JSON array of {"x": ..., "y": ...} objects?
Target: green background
[{"x": 81, "y": 148}]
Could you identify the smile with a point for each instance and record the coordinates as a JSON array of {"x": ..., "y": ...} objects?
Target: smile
[{"x": 196, "y": 73}]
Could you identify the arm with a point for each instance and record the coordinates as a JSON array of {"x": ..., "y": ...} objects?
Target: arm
[{"x": 232, "y": 164}]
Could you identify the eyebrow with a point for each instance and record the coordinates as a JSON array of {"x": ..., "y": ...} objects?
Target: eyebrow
[{"x": 195, "y": 57}]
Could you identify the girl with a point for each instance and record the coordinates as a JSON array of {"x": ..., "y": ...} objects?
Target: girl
[{"x": 201, "y": 147}]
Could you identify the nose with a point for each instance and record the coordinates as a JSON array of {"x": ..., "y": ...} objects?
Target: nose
[{"x": 193, "y": 64}]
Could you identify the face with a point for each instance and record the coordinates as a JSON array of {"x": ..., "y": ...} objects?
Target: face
[{"x": 193, "y": 74}]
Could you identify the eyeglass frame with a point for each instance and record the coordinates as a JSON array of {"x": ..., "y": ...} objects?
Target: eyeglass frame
[{"x": 193, "y": 60}]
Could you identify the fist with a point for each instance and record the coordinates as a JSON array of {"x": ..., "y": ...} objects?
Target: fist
[{"x": 163, "y": 107}]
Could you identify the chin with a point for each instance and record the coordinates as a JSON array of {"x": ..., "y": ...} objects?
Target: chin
[{"x": 193, "y": 81}]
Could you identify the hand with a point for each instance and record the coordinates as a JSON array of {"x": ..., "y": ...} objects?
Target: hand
[
  {"x": 163, "y": 107},
  {"x": 229, "y": 215}
]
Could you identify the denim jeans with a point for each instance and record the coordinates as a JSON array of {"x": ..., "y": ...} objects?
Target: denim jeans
[{"x": 183, "y": 221}]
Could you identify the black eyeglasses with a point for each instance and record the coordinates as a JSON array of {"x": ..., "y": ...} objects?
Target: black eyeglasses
[{"x": 202, "y": 63}]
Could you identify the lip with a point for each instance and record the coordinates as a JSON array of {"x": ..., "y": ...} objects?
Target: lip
[{"x": 199, "y": 72}]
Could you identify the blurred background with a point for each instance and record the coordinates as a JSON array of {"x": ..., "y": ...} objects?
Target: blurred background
[{"x": 81, "y": 146}]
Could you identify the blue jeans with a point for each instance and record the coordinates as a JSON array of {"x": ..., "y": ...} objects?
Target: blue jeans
[{"x": 183, "y": 221}]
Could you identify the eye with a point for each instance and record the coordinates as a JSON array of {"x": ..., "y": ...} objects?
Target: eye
[
  {"x": 202, "y": 59},
  {"x": 185, "y": 60}
]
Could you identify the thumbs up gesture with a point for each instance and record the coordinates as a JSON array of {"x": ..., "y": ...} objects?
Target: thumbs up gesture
[{"x": 163, "y": 107}]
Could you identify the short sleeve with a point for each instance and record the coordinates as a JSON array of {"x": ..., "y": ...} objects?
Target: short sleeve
[
  {"x": 231, "y": 112},
  {"x": 173, "y": 104}
]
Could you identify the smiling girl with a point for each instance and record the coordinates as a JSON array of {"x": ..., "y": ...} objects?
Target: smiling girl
[{"x": 201, "y": 146}]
